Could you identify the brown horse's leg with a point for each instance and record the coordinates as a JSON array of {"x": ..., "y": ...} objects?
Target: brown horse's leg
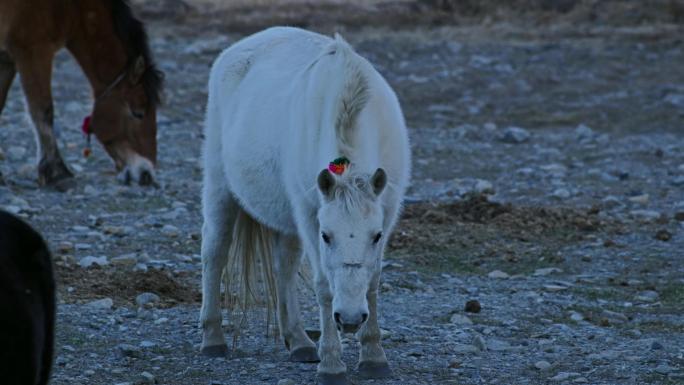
[
  {"x": 35, "y": 68},
  {"x": 7, "y": 72}
]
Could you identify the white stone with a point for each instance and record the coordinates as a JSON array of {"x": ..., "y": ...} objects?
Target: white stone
[
  {"x": 104, "y": 303},
  {"x": 459, "y": 319},
  {"x": 515, "y": 135},
  {"x": 90, "y": 261},
  {"x": 546, "y": 271},
  {"x": 542, "y": 365},
  {"x": 498, "y": 274}
]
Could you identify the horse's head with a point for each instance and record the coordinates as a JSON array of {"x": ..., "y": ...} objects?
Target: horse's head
[
  {"x": 351, "y": 241},
  {"x": 125, "y": 122}
]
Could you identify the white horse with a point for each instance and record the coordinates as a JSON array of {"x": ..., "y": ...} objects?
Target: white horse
[{"x": 283, "y": 104}]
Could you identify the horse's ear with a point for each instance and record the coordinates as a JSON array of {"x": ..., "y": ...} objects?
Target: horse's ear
[
  {"x": 378, "y": 181},
  {"x": 138, "y": 70},
  {"x": 326, "y": 183}
]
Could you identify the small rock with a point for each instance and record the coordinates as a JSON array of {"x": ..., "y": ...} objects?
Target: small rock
[
  {"x": 161, "y": 320},
  {"x": 498, "y": 274},
  {"x": 615, "y": 316},
  {"x": 645, "y": 215},
  {"x": 147, "y": 344},
  {"x": 126, "y": 350},
  {"x": 473, "y": 306},
  {"x": 546, "y": 271},
  {"x": 88, "y": 372},
  {"x": 679, "y": 216},
  {"x": 542, "y": 365},
  {"x": 125, "y": 260},
  {"x": 148, "y": 378},
  {"x": 170, "y": 231},
  {"x": 575, "y": 316},
  {"x": 562, "y": 376},
  {"x": 88, "y": 261},
  {"x": 561, "y": 193},
  {"x": 498, "y": 345},
  {"x": 104, "y": 303},
  {"x": 610, "y": 202},
  {"x": 640, "y": 199},
  {"x": 647, "y": 296},
  {"x": 479, "y": 343},
  {"x": 553, "y": 288},
  {"x": 459, "y": 319},
  {"x": 663, "y": 235},
  {"x": 90, "y": 190},
  {"x": 484, "y": 187},
  {"x": 146, "y": 299},
  {"x": 65, "y": 247},
  {"x": 655, "y": 345},
  {"x": 663, "y": 369},
  {"x": 515, "y": 135},
  {"x": 286, "y": 381},
  {"x": 583, "y": 133}
]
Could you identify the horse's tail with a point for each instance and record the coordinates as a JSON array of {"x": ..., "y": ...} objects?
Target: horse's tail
[{"x": 248, "y": 276}]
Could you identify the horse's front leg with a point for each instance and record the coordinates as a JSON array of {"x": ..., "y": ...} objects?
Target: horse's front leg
[
  {"x": 287, "y": 260},
  {"x": 35, "y": 67},
  {"x": 372, "y": 359},
  {"x": 331, "y": 369}
]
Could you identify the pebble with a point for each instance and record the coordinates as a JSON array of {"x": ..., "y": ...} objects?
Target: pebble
[
  {"x": 655, "y": 345},
  {"x": 561, "y": 193},
  {"x": 498, "y": 345},
  {"x": 647, "y": 296},
  {"x": 554, "y": 287},
  {"x": 170, "y": 231},
  {"x": 663, "y": 369},
  {"x": 473, "y": 306},
  {"x": 546, "y": 271},
  {"x": 147, "y": 344},
  {"x": 127, "y": 350},
  {"x": 104, "y": 303},
  {"x": 583, "y": 133},
  {"x": 542, "y": 365},
  {"x": 459, "y": 319},
  {"x": 663, "y": 235},
  {"x": 125, "y": 260},
  {"x": 146, "y": 299},
  {"x": 640, "y": 199},
  {"x": 89, "y": 261},
  {"x": 286, "y": 381},
  {"x": 562, "y": 376},
  {"x": 65, "y": 247},
  {"x": 498, "y": 274},
  {"x": 645, "y": 215},
  {"x": 148, "y": 378},
  {"x": 515, "y": 135},
  {"x": 479, "y": 342},
  {"x": 575, "y": 316}
]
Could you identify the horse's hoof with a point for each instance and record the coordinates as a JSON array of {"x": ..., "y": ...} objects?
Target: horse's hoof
[
  {"x": 333, "y": 379},
  {"x": 305, "y": 354},
  {"x": 215, "y": 351},
  {"x": 371, "y": 369},
  {"x": 64, "y": 185}
]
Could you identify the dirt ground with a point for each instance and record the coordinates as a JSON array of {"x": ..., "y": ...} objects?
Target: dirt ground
[{"x": 548, "y": 185}]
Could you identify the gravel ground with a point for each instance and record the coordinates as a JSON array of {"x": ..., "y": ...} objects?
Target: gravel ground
[{"x": 548, "y": 186}]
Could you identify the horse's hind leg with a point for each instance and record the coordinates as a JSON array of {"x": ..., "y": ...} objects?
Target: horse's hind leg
[
  {"x": 220, "y": 211},
  {"x": 287, "y": 258},
  {"x": 7, "y": 72},
  {"x": 35, "y": 67}
]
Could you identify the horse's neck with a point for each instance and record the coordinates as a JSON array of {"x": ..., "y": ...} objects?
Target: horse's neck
[{"x": 95, "y": 45}]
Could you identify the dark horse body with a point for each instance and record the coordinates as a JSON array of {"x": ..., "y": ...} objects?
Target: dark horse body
[
  {"x": 27, "y": 304},
  {"x": 111, "y": 47}
]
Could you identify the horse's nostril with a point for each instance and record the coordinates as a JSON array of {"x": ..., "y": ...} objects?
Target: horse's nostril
[
  {"x": 364, "y": 317},
  {"x": 337, "y": 317}
]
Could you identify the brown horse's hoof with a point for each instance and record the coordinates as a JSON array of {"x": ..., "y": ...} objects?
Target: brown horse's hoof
[
  {"x": 305, "y": 354},
  {"x": 333, "y": 379},
  {"x": 215, "y": 351},
  {"x": 370, "y": 369},
  {"x": 55, "y": 174}
]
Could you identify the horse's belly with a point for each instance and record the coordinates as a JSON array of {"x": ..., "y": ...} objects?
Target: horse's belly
[{"x": 257, "y": 185}]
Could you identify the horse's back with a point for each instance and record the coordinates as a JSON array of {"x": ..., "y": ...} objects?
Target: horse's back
[
  {"x": 250, "y": 87},
  {"x": 26, "y": 302}
]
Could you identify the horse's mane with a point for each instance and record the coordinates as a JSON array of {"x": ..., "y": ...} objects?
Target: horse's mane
[
  {"x": 354, "y": 92},
  {"x": 132, "y": 34}
]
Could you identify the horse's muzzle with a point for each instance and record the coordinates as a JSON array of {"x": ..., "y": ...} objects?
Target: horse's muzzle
[{"x": 350, "y": 324}]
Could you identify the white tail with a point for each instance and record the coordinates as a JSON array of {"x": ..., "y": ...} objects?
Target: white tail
[{"x": 248, "y": 276}]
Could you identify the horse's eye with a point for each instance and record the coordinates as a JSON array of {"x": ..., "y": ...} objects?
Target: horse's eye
[
  {"x": 138, "y": 114},
  {"x": 377, "y": 237},
  {"x": 326, "y": 238}
]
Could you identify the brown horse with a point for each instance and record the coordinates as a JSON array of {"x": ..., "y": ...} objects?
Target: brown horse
[{"x": 111, "y": 47}]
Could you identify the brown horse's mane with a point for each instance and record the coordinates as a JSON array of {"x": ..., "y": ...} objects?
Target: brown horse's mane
[{"x": 134, "y": 38}]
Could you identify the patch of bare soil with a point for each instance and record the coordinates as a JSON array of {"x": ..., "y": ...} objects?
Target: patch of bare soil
[
  {"x": 76, "y": 284},
  {"x": 475, "y": 234}
]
